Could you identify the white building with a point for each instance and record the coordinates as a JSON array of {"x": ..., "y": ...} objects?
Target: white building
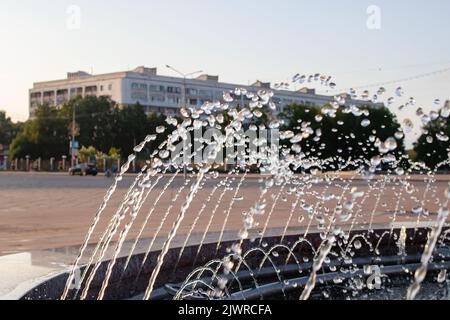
[{"x": 160, "y": 94}]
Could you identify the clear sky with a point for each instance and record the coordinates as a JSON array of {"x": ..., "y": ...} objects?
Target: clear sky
[{"x": 239, "y": 40}]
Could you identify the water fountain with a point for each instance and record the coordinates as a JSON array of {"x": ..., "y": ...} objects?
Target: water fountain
[{"x": 281, "y": 224}]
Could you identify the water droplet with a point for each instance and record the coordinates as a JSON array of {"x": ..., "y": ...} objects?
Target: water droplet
[
  {"x": 391, "y": 144},
  {"x": 381, "y": 91},
  {"x": 375, "y": 161},
  {"x": 409, "y": 188},
  {"x": 139, "y": 147},
  {"x": 408, "y": 125},
  {"x": 227, "y": 97},
  {"x": 399, "y": 91},
  {"x": 365, "y": 123},
  {"x": 164, "y": 154},
  {"x": 399, "y": 135},
  {"x": 160, "y": 129},
  {"x": 442, "y": 137},
  {"x": 445, "y": 112},
  {"x": 442, "y": 277},
  {"x": 243, "y": 234},
  {"x": 150, "y": 138},
  {"x": 345, "y": 217}
]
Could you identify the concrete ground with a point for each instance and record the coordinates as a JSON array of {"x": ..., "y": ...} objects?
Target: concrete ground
[{"x": 41, "y": 211}]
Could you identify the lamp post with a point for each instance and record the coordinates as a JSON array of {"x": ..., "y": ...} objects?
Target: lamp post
[
  {"x": 184, "y": 101},
  {"x": 72, "y": 144}
]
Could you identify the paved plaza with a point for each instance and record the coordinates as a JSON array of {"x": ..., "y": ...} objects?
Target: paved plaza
[{"x": 44, "y": 211}]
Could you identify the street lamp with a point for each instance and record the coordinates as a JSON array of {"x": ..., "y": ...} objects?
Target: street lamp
[
  {"x": 185, "y": 76},
  {"x": 72, "y": 144}
]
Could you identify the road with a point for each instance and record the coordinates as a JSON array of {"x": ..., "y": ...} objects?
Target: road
[{"x": 41, "y": 211}]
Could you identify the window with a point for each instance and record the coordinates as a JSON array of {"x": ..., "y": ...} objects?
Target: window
[
  {"x": 92, "y": 90},
  {"x": 110, "y": 86},
  {"x": 191, "y": 91},
  {"x": 141, "y": 86},
  {"x": 173, "y": 89},
  {"x": 139, "y": 92},
  {"x": 101, "y": 88},
  {"x": 158, "y": 99},
  {"x": 205, "y": 93},
  {"x": 173, "y": 100},
  {"x": 276, "y": 100},
  {"x": 193, "y": 102},
  {"x": 157, "y": 88}
]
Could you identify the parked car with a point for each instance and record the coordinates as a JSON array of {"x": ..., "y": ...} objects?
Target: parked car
[{"x": 84, "y": 169}]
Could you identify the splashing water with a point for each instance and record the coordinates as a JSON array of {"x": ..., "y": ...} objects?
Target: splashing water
[
  {"x": 316, "y": 267},
  {"x": 420, "y": 274},
  {"x": 323, "y": 207}
]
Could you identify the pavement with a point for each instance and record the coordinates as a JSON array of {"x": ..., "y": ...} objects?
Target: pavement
[
  {"x": 44, "y": 211},
  {"x": 44, "y": 217}
]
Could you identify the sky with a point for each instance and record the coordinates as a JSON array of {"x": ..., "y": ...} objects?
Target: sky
[{"x": 357, "y": 42}]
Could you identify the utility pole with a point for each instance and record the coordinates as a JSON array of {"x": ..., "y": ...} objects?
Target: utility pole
[
  {"x": 184, "y": 99},
  {"x": 72, "y": 146}
]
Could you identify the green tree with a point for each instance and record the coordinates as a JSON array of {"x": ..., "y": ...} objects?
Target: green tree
[
  {"x": 44, "y": 136},
  {"x": 433, "y": 146},
  {"x": 153, "y": 122},
  {"x": 131, "y": 129},
  {"x": 87, "y": 154},
  {"x": 342, "y": 135},
  {"x": 96, "y": 121},
  {"x": 114, "y": 153},
  {"x": 8, "y": 129}
]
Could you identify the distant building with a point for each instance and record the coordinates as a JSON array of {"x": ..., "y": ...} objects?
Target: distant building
[{"x": 157, "y": 93}]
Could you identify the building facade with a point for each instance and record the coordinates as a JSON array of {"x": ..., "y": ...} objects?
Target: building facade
[{"x": 157, "y": 93}]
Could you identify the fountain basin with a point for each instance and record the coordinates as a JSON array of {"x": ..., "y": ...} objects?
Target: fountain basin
[{"x": 132, "y": 283}]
